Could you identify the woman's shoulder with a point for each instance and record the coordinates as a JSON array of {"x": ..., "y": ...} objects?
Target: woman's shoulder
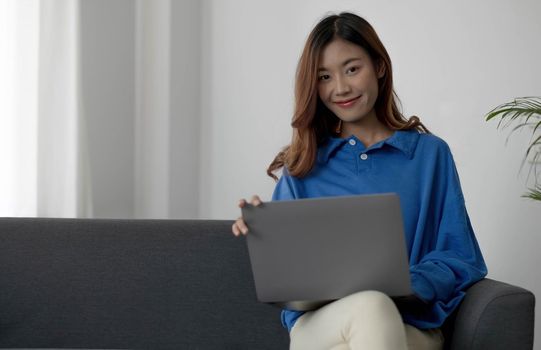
[{"x": 432, "y": 142}]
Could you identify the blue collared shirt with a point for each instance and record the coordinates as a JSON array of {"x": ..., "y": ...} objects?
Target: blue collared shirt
[{"x": 444, "y": 254}]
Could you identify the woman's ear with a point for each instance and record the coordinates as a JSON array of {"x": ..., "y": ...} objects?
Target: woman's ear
[{"x": 380, "y": 68}]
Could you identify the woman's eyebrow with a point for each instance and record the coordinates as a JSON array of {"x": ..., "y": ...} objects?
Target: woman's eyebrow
[{"x": 343, "y": 64}]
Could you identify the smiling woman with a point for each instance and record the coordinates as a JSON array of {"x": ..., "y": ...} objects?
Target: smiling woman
[
  {"x": 349, "y": 89},
  {"x": 349, "y": 138},
  {"x": 338, "y": 65}
]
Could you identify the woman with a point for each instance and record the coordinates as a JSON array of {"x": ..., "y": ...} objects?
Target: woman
[{"x": 350, "y": 138}]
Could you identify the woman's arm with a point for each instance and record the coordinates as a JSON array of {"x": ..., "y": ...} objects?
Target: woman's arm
[{"x": 452, "y": 260}]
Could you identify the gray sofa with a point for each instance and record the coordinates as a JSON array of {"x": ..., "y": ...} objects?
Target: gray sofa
[{"x": 177, "y": 284}]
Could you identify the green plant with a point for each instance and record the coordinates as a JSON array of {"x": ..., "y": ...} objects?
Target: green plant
[{"x": 524, "y": 112}]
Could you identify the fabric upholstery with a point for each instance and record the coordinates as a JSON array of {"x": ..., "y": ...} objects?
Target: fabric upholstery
[
  {"x": 177, "y": 284},
  {"x": 153, "y": 284},
  {"x": 495, "y": 315}
]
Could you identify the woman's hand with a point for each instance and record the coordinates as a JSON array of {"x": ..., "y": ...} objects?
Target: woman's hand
[{"x": 240, "y": 226}]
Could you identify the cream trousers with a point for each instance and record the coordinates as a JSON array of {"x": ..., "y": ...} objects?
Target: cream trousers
[{"x": 364, "y": 320}]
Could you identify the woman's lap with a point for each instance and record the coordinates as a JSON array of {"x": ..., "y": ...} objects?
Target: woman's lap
[{"x": 362, "y": 320}]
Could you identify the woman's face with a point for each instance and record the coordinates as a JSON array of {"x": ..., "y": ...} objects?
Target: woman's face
[{"x": 348, "y": 81}]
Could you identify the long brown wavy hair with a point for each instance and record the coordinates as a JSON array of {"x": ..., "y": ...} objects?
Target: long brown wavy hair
[{"x": 312, "y": 121}]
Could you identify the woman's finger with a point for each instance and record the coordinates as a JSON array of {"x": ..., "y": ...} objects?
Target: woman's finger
[
  {"x": 242, "y": 226},
  {"x": 256, "y": 200},
  {"x": 235, "y": 229}
]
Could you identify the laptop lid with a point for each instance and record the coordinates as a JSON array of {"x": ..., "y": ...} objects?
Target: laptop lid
[{"x": 307, "y": 252}]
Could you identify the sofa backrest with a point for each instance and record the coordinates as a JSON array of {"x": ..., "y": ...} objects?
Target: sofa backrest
[{"x": 145, "y": 284}]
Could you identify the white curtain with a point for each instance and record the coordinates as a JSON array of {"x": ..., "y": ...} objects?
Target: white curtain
[
  {"x": 18, "y": 69},
  {"x": 113, "y": 133},
  {"x": 42, "y": 143},
  {"x": 63, "y": 186},
  {"x": 152, "y": 112}
]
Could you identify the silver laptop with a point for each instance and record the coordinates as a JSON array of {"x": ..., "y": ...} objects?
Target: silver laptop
[{"x": 308, "y": 252}]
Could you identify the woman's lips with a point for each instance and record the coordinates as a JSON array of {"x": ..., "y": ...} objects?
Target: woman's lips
[{"x": 348, "y": 103}]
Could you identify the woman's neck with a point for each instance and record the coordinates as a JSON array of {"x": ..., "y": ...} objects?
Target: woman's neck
[{"x": 368, "y": 130}]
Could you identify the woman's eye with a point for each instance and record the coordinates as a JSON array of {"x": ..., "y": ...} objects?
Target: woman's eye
[
  {"x": 353, "y": 69},
  {"x": 323, "y": 77}
]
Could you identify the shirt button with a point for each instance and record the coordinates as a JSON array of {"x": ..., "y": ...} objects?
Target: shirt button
[
  {"x": 364, "y": 156},
  {"x": 352, "y": 142}
]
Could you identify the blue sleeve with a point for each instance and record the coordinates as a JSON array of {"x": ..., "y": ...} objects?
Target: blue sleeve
[
  {"x": 284, "y": 190},
  {"x": 454, "y": 261}
]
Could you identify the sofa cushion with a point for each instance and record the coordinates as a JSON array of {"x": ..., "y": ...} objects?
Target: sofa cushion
[{"x": 156, "y": 284}]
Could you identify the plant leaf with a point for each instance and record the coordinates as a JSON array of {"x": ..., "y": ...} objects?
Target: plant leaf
[
  {"x": 535, "y": 194},
  {"x": 524, "y": 111}
]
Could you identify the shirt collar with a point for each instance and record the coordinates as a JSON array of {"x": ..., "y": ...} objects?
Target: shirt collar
[{"x": 403, "y": 140}]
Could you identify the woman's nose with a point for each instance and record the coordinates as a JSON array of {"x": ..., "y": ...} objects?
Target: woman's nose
[{"x": 342, "y": 86}]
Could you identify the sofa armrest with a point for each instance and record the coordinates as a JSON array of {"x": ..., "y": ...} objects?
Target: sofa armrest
[{"x": 494, "y": 315}]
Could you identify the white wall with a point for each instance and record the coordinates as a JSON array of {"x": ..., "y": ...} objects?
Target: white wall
[{"x": 453, "y": 62}]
